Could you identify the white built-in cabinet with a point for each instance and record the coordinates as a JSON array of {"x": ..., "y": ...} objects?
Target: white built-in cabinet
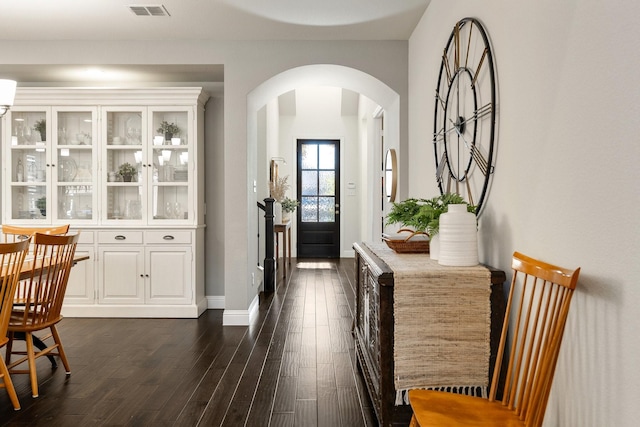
[{"x": 63, "y": 149}]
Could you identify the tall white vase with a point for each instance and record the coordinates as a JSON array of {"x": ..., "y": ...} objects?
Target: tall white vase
[
  {"x": 434, "y": 247},
  {"x": 277, "y": 213},
  {"x": 458, "y": 237}
]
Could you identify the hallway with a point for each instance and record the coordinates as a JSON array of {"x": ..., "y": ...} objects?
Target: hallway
[{"x": 294, "y": 366}]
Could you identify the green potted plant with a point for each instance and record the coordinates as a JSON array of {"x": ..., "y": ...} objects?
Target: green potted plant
[
  {"x": 288, "y": 206},
  {"x": 126, "y": 171},
  {"x": 423, "y": 215},
  {"x": 41, "y": 204},
  {"x": 168, "y": 130},
  {"x": 41, "y": 127}
]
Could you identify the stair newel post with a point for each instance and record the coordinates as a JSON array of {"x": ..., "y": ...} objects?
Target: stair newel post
[{"x": 269, "y": 252}]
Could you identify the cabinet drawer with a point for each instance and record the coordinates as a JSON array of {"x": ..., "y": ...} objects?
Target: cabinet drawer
[
  {"x": 86, "y": 237},
  {"x": 168, "y": 236},
  {"x": 122, "y": 236}
]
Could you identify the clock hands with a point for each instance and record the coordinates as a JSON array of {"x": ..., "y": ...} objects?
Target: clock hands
[
  {"x": 475, "y": 152},
  {"x": 479, "y": 113}
]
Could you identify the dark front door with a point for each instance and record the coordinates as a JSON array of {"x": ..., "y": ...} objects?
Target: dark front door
[{"x": 319, "y": 194}]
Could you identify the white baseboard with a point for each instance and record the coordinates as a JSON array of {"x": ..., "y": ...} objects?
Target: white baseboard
[
  {"x": 241, "y": 317},
  {"x": 134, "y": 310},
  {"x": 215, "y": 302}
]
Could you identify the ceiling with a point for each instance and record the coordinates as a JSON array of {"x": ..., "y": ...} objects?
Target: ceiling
[{"x": 218, "y": 20}]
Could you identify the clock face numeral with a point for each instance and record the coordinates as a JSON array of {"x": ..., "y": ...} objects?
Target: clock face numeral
[
  {"x": 451, "y": 181},
  {"x": 469, "y": 193},
  {"x": 480, "y": 160},
  {"x": 466, "y": 60},
  {"x": 477, "y": 73},
  {"x": 456, "y": 36},
  {"x": 439, "y": 98},
  {"x": 483, "y": 111},
  {"x": 441, "y": 166},
  {"x": 465, "y": 114},
  {"x": 445, "y": 60}
]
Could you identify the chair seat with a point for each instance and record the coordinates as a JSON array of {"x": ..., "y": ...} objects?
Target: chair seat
[
  {"x": 436, "y": 408},
  {"x": 17, "y": 323}
]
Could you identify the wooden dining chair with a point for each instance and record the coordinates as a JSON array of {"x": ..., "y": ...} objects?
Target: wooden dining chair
[
  {"x": 16, "y": 233},
  {"x": 38, "y": 303},
  {"x": 12, "y": 257},
  {"x": 536, "y": 313},
  {"x": 13, "y": 233}
]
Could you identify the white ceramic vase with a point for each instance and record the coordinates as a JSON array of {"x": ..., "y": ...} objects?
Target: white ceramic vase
[
  {"x": 277, "y": 213},
  {"x": 458, "y": 237},
  {"x": 434, "y": 247}
]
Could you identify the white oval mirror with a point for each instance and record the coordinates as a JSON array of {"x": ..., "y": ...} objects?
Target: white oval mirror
[{"x": 391, "y": 175}]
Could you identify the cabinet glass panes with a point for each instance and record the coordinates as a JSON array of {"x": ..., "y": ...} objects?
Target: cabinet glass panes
[
  {"x": 124, "y": 165},
  {"x": 28, "y": 163},
  {"x": 74, "y": 164},
  {"x": 170, "y": 170}
]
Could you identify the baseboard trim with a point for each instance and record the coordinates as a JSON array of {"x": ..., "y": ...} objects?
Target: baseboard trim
[
  {"x": 241, "y": 317},
  {"x": 215, "y": 302}
]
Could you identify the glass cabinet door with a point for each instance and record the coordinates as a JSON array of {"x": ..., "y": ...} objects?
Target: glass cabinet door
[
  {"x": 74, "y": 162},
  {"x": 29, "y": 165},
  {"x": 125, "y": 167},
  {"x": 170, "y": 198}
]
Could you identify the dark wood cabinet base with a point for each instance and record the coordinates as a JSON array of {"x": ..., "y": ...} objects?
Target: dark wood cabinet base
[{"x": 374, "y": 329}]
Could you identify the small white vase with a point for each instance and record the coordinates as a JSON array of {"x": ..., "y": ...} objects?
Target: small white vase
[
  {"x": 434, "y": 247},
  {"x": 286, "y": 216},
  {"x": 277, "y": 213},
  {"x": 458, "y": 237}
]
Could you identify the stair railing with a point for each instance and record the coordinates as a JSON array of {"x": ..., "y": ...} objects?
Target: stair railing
[{"x": 269, "y": 266}]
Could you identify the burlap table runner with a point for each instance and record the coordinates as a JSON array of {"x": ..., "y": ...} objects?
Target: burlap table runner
[{"x": 442, "y": 324}]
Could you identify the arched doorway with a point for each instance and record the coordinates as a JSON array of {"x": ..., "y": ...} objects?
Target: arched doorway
[{"x": 366, "y": 184}]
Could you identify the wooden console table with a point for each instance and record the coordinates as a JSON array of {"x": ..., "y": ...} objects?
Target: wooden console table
[
  {"x": 418, "y": 324},
  {"x": 285, "y": 229}
]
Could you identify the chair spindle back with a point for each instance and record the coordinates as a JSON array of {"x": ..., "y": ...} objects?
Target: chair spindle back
[{"x": 536, "y": 314}]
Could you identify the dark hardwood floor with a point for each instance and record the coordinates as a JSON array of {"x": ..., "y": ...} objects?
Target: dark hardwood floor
[{"x": 294, "y": 366}]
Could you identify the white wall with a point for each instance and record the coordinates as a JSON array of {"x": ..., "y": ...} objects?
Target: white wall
[
  {"x": 565, "y": 188},
  {"x": 368, "y": 191}
]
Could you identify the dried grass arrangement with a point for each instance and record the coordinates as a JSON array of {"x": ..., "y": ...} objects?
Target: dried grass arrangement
[{"x": 279, "y": 188}]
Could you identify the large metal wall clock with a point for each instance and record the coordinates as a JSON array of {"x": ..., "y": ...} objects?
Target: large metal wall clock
[{"x": 465, "y": 114}]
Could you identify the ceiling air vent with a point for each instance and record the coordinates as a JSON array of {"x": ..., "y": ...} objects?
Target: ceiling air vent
[{"x": 159, "y": 10}]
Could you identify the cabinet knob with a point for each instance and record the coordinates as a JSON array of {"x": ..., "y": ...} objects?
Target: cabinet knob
[
  {"x": 142, "y": 275},
  {"x": 168, "y": 237},
  {"x": 146, "y": 275},
  {"x": 120, "y": 237}
]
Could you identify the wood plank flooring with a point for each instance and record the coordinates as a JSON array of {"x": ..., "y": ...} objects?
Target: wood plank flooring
[{"x": 294, "y": 366}]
